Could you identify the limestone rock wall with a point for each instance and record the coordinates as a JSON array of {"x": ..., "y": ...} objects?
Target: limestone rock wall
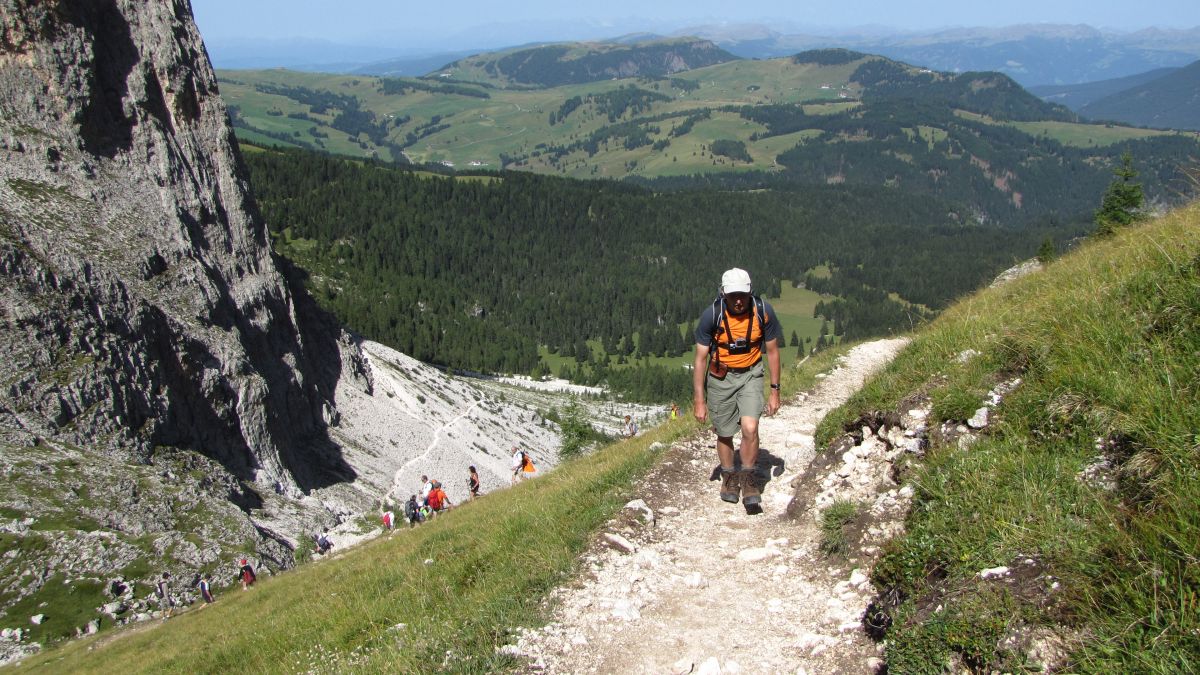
[{"x": 141, "y": 306}]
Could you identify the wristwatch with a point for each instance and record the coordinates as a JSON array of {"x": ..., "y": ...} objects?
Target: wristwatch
[{"x": 775, "y": 386}]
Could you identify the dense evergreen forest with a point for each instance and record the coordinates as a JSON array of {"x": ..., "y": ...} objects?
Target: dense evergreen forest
[{"x": 476, "y": 272}]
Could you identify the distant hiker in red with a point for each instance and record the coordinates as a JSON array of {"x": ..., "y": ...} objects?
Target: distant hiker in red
[
  {"x": 246, "y": 573},
  {"x": 388, "y": 520},
  {"x": 438, "y": 501},
  {"x": 473, "y": 484}
]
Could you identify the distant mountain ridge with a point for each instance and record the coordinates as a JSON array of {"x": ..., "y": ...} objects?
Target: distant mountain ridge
[
  {"x": 821, "y": 116},
  {"x": 559, "y": 64},
  {"x": 1075, "y": 96},
  {"x": 1033, "y": 54},
  {"x": 1168, "y": 102}
]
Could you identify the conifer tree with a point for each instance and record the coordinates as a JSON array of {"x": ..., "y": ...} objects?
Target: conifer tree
[
  {"x": 1046, "y": 252},
  {"x": 1121, "y": 201}
]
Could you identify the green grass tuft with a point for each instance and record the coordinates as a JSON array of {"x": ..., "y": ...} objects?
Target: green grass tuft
[{"x": 834, "y": 521}]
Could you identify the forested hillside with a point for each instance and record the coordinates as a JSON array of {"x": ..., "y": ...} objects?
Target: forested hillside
[
  {"x": 476, "y": 272},
  {"x": 992, "y": 173}
]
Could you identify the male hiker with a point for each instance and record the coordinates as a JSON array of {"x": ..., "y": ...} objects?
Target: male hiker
[
  {"x": 163, "y": 590},
  {"x": 728, "y": 388}
]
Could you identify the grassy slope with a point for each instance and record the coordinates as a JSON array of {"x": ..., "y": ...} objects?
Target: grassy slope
[
  {"x": 1078, "y": 134},
  {"x": 1107, "y": 342},
  {"x": 493, "y": 560}
]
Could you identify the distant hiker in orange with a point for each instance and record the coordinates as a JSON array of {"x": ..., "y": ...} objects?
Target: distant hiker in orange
[
  {"x": 246, "y": 574},
  {"x": 438, "y": 501},
  {"x": 527, "y": 468},
  {"x": 473, "y": 484},
  {"x": 727, "y": 380}
]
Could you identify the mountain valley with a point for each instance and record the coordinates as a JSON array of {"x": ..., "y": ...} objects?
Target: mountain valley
[{"x": 242, "y": 308}]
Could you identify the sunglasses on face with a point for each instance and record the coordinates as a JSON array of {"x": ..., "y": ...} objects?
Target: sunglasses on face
[{"x": 737, "y": 297}]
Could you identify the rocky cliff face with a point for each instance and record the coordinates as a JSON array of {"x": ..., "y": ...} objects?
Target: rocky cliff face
[
  {"x": 141, "y": 307},
  {"x": 158, "y": 370}
]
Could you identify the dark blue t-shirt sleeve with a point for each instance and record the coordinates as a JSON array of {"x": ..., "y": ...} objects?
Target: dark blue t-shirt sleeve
[
  {"x": 774, "y": 331},
  {"x": 704, "y": 329}
]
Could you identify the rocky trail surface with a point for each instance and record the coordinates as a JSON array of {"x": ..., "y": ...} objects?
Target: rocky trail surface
[{"x": 682, "y": 582}]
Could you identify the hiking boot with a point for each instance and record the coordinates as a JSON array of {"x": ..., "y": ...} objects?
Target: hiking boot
[
  {"x": 751, "y": 492},
  {"x": 731, "y": 486}
]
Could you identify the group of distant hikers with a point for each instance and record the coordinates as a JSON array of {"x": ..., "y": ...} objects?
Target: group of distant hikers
[
  {"x": 430, "y": 501},
  {"x": 202, "y": 582},
  {"x": 420, "y": 507},
  {"x": 432, "y": 498}
]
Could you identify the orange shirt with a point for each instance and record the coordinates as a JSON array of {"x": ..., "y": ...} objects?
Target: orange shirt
[{"x": 736, "y": 326}]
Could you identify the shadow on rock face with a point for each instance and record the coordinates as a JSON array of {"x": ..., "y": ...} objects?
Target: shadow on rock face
[{"x": 104, "y": 126}]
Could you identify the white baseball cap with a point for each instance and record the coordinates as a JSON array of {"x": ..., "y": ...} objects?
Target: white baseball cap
[{"x": 735, "y": 280}]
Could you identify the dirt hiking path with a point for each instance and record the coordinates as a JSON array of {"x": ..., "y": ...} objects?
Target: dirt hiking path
[{"x": 691, "y": 584}]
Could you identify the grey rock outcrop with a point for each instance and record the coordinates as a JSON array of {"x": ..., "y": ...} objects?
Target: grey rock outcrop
[
  {"x": 161, "y": 372},
  {"x": 142, "y": 307}
]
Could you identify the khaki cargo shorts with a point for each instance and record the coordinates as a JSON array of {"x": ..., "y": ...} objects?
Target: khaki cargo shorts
[{"x": 735, "y": 396}]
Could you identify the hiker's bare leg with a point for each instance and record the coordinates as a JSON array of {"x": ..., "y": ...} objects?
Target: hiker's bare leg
[
  {"x": 725, "y": 451},
  {"x": 749, "y": 449}
]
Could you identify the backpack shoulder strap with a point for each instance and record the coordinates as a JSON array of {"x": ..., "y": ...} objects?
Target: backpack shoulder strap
[{"x": 718, "y": 310}]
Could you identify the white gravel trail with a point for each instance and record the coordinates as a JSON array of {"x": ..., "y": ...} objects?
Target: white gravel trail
[
  {"x": 710, "y": 589},
  {"x": 397, "y": 482}
]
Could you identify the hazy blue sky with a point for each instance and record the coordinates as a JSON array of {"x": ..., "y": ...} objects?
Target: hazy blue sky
[{"x": 428, "y": 21}]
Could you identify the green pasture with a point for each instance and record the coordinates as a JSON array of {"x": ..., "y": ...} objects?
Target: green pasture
[
  {"x": 1074, "y": 133},
  {"x": 513, "y": 122},
  {"x": 829, "y": 108},
  {"x": 769, "y": 81},
  {"x": 1085, "y": 135},
  {"x": 765, "y": 150}
]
